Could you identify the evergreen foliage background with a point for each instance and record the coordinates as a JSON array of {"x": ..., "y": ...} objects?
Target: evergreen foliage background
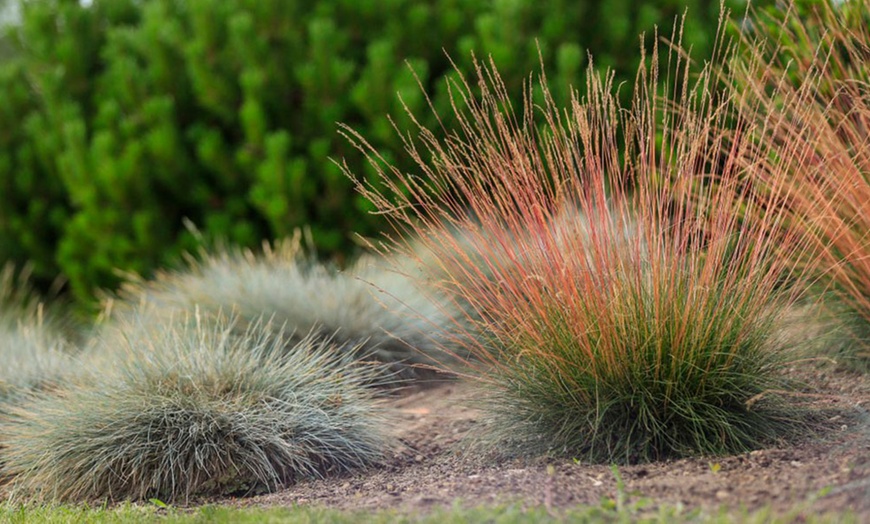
[{"x": 121, "y": 118}]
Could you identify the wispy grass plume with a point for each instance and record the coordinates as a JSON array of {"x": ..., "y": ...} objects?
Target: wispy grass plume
[
  {"x": 806, "y": 80},
  {"x": 368, "y": 311},
  {"x": 196, "y": 408},
  {"x": 625, "y": 311}
]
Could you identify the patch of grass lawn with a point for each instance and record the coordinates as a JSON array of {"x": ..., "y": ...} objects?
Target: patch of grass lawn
[{"x": 619, "y": 509}]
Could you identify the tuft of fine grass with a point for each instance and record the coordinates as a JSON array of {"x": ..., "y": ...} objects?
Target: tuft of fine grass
[
  {"x": 33, "y": 352},
  {"x": 625, "y": 312},
  {"x": 809, "y": 74},
  {"x": 370, "y": 310},
  {"x": 196, "y": 407}
]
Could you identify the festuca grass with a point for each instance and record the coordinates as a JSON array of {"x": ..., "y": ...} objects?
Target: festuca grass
[
  {"x": 372, "y": 310},
  {"x": 33, "y": 350},
  {"x": 195, "y": 407}
]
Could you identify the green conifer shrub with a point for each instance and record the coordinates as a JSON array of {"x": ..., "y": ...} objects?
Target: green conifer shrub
[{"x": 122, "y": 118}]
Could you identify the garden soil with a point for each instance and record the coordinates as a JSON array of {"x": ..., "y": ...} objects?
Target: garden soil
[{"x": 829, "y": 471}]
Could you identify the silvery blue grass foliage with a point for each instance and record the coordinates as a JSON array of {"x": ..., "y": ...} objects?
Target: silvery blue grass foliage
[
  {"x": 195, "y": 406},
  {"x": 373, "y": 310},
  {"x": 33, "y": 351}
]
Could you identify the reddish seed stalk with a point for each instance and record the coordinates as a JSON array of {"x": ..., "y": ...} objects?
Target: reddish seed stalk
[{"x": 815, "y": 101}]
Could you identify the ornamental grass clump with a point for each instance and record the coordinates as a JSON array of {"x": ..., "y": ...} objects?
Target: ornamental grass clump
[
  {"x": 623, "y": 310},
  {"x": 370, "y": 310},
  {"x": 196, "y": 408},
  {"x": 810, "y": 75},
  {"x": 33, "y": 351}
]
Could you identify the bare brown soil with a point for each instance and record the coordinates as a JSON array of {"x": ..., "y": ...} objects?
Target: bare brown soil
[{"x": 433, "y": 469}]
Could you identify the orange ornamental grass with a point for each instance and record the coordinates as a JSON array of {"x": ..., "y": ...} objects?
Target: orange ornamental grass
[
  {"x": 809, "y": 76},
  {"x": 621, "y": 308}
]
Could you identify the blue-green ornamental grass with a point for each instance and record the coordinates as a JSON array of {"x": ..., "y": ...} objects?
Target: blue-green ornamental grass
[
  {"x": 193, "y": 407},
  {"x": 33, "y": 351},
  {"x": 372, "y": 310},
  {"x": 33, "y": 357}
]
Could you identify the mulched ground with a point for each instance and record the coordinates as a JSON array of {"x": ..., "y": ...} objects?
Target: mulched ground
[{"x": 433, "y": 468}]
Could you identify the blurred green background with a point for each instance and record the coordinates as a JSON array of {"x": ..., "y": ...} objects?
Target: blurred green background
[{"x": 119, "y": 119}]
